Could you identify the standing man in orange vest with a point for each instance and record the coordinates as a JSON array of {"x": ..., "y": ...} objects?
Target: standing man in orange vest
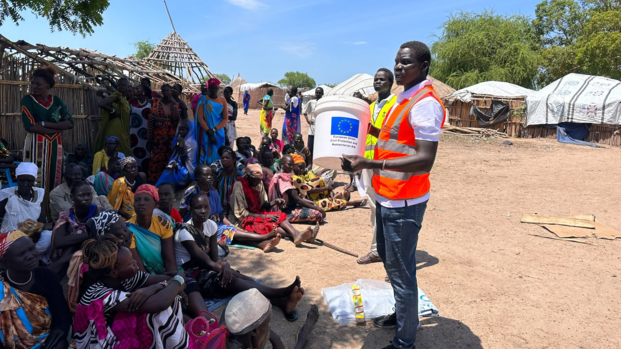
[{"x": 404, "y": 155}]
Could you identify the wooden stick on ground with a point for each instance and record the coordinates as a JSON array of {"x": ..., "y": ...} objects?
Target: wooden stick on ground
[
  {"x": 336, "y": 248},
  {"x": 306, "y": 330}
]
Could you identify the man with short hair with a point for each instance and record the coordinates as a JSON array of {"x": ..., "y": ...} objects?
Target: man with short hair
[
  {"x": 404, "y": 156},
  {"x": 382, "y": 83},
  {"x": 310, "y": 109},
  {"x": 60, "y": 197}
]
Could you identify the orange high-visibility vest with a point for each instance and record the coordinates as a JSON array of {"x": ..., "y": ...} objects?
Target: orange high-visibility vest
[{"x": 396, "y": 140}]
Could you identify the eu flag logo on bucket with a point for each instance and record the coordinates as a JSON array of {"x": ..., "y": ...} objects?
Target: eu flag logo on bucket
[{"x": 345, "y": 126}]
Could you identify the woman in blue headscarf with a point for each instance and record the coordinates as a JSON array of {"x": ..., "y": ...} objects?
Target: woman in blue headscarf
[
  {"x": 211, "y": 116},
  {"x": 180, "y": 169}
]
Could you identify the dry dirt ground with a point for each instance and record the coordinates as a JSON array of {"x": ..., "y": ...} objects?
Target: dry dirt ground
[{"x": 494, "y": 283}]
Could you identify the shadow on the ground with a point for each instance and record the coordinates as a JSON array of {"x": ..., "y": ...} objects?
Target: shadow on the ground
[
  {"x": 425, "y": 260},
  {"x": 435, "y": 333}
]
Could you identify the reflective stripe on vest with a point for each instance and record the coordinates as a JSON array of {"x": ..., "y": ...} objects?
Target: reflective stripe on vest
[
  {"x": 369, "y": 149},
  {"x": 397, "y": 139}
]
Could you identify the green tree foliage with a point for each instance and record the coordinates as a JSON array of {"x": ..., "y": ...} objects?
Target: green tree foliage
[
  {"x": 225, "y": 79},
  {"x": 579, "y": 37},
  {"x": 143, "y": 49},
  {"x": 482, "y": 47},
  {"x": 76, "y": 16},
  {"x": 297, "y": 79}
]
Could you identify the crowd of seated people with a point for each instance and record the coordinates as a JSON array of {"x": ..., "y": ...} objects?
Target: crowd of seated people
[{"x": 135, "y": 268}]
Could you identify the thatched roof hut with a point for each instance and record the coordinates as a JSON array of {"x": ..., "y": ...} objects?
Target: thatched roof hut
[
  {"x": 237, "y": 82},
  {"x": 81, "y": 73},
  {"x": 441, "y": 88}
]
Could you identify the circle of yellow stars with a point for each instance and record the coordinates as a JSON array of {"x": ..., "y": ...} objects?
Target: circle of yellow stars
[{"x": 349, "y": 124}]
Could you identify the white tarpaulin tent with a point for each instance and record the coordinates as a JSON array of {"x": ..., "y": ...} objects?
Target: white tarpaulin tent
[
  {"x": 576, "y": 98},
  {"x": 491, "y": 88},
  {"x": 250, "y": 86},
  {"x": 362, "y": 83},
  {"x": 311, "y": 92}
]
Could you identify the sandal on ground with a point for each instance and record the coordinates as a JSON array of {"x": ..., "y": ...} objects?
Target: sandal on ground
[
  {"x": 371, "y": 257},
  {"x": 292, "y": 316}
]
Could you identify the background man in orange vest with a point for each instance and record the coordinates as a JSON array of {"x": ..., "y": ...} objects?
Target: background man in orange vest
[{"x": 404, "y": 155}]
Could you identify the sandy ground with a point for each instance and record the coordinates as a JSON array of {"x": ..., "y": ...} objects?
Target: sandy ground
[{"x": 495, "y": 285}]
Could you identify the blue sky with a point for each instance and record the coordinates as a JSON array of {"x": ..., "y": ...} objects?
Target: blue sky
[{"x": 262, "y": 39}]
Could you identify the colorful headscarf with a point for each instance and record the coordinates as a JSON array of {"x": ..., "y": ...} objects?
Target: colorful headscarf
[
  {"x": 126, "y": 160},
  {"x": 297, "y": 159},
  {"x": 149, "y": 189},
  {"x": 101, "y": 222},
  {"x": 110, "y": 139},
  {"x": 213, "y": 81},
  {"x": 254, "y": 170},
  {"x": 9, "y": 238}
]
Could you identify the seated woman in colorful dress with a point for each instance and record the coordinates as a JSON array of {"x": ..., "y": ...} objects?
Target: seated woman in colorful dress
[
  {"x": 121, "y": 195},
  {"x": 102, "y": 157},
  {"x": 103, "y": 180},
  {"x": 196, "y": 250},
  {"x": 180, "y": 169},
  {"x": 227, "y": 233},
  {"x": 297, "y": 208},
  {"x": 152, "y": 243},
  {"x": 24, "y": 208},
  {"x": 82, "y": 158},
  {"x": 70, "y": 230},
  {"x": 314, "y": 187},
  {"x": 123, "y": 307},
  {"x": 250, "y": 209},
  {"x": 33, "y": 308}
]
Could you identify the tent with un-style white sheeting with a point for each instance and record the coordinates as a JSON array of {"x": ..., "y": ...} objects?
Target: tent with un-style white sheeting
[
  {"x": 311, "y": 92},
  {"x": 254, "y": 86},
  {"x": 491, "y": 88},
  {"x": 362, "y": 83},
  {"x": 576, "y": 98}
]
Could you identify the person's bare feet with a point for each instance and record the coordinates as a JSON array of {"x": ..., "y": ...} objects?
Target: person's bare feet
[
  {"x": 289, "y": 290},
  {"x": 294, "y": 298},
  {"x": 268, "y": 245},
  {"x": 313, "y": 236},
  {"x": 303, "y": 236}
]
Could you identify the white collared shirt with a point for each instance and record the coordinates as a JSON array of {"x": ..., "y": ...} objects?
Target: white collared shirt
[
  {"x": 379, "y": 105},
  {"x": 426, "y": 118}
]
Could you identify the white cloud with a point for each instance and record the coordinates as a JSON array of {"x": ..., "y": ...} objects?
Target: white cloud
[
  {"x": 247, "y": 4},
  {"x": 301, "y": 50},
  {"x": 355, "y": 43}
]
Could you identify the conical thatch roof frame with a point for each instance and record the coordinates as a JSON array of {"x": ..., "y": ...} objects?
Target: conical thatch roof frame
[{"x": 174, "y": 55}]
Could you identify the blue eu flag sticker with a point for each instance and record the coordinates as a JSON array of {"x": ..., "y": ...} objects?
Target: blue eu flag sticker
[{"x": 345, "y": 127}]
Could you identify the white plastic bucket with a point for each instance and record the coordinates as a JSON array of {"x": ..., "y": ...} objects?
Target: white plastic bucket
[{"x": 340, "y": 128}]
